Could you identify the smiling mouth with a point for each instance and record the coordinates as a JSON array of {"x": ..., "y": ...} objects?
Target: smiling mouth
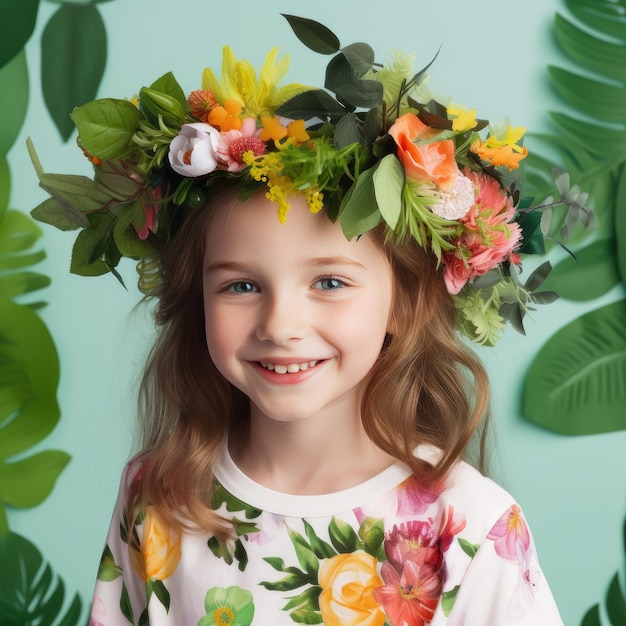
[{"x": 292, "y": 368}]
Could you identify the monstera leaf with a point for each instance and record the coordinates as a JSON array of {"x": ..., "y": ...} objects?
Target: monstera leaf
[
  {"x": 585, "y": 397},
  {"x": 30, "y": 593}
]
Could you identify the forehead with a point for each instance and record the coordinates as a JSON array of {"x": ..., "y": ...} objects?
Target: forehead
[{"x": 251, "y": 230}]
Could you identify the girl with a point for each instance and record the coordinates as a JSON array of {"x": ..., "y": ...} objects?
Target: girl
[{"x": 308, "y": 403}]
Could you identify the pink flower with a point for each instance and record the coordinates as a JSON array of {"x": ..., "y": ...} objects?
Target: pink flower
[
  {"x": 510, "y": 534},
  {"x": 193, "y": 151},
  {"x": 411, "y": 596},
  {"x": 150, "y": 202},
  {"x": 414, "y": 498},
  {"x": 422, "y": 541},
  {"x": 233, "y": 144},
  {"x": 489, "y": 237}
]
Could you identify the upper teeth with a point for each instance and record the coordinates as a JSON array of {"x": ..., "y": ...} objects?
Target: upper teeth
[{"x": 292, "y": 368}]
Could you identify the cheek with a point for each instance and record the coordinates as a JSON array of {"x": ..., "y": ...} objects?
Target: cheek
[{"x": 220, "y": 333}]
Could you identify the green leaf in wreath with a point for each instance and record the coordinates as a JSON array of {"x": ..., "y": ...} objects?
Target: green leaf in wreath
[
  {"x": 360, "y": 56},
  {"x": 313, "y": 35},
  {"x": 106, "y": 126},
  {"x": 73, "y": 57},
  {"x": 577, "y": 383},
  {"x": 361, "y": 93},
  {"x": 359, "y": 210},
  {"x": 347, "y": 131},
  {"x": 157, "y": 105},
  {"x": 312, "y": 103},
  {"x": 17, "y": 22},
  {"x": 388, "y": 184},
  {"x": 36, "y": 595},
  {"x": 13, "y": 99}
]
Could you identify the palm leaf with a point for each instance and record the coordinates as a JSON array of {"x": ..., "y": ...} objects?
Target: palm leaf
[
  {"x": 576, "y": 384},
  {"x": 30, "y": 593}
]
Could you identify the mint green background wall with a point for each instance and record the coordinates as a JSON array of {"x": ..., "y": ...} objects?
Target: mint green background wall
[{"x": 493, "y": 57}]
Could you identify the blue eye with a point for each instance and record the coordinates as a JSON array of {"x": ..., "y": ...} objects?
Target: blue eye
[
  {"x": 243, "y": 287},
  {"x": 329, "y": 283}
]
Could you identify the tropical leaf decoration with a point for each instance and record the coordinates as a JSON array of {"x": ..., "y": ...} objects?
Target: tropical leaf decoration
[
  {"x": 17, "y": 22},
  {"x": 591, "y": 145},
  {"x": 30, "y": 593},
  {"x": 73, "y": 58},
  {"x": 614, "y": 602}
]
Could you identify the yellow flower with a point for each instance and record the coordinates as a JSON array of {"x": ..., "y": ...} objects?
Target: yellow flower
[
  {"x": 268, "y": 168},
  {"x": 463, "y": 119},
  {"x": 348, "y": 582},
  {"x": 258, "y": 96},
  {"x": 159, "y": 552}
]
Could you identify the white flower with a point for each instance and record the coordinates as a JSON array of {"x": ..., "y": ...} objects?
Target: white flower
[
  {"x": 454, "y": 204},
  {"x": 194, "y": 151}
]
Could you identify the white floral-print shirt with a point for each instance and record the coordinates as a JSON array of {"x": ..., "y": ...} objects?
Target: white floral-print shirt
[{"x": 387, "y": 552}]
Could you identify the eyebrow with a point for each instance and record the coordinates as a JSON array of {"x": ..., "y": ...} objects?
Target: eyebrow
[{"x": 324, "y": 261}]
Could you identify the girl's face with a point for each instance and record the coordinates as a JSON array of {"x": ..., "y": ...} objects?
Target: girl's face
[{"x": 295, "y": 314}]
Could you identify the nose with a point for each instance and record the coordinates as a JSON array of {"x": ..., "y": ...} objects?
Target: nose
[{"x": 282, "y": 319}]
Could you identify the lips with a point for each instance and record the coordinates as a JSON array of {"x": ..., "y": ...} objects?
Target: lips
[{"x": 289, "y": 368}]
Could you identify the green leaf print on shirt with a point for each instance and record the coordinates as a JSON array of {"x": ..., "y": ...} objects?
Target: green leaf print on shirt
[
  {"x": 233, "y": 551},
  {"x": 320, "y": 562}
]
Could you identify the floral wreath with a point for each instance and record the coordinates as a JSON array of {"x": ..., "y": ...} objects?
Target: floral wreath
[{"x": 372, "y": 146}]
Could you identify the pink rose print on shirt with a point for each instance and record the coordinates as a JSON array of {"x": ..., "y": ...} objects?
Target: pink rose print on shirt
[{"x": 509, "y": 534}]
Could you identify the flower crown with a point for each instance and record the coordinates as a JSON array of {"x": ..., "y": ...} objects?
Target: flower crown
[{"x": 381, "y": 149}]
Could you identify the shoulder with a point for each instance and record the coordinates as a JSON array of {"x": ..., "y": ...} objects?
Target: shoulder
[{"x": 479, "y": 500}]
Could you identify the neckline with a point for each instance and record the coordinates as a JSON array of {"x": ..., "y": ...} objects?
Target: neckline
[{"x": 256, "y": 495}]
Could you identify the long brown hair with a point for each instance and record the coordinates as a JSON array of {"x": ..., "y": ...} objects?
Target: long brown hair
[{"x": 188, "y": 410}]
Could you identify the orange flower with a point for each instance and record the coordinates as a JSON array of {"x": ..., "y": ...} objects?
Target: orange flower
[
  {"x": 226, "y": 117},
  {"x": 274, "y": 130},
  {"x": 159, "y": 552},
  {"x": 201, "y": 102},
  {"x": 423, "y": 162},
  {"x": 348, "y": 582},
  {"x": 508, "y": 156}
]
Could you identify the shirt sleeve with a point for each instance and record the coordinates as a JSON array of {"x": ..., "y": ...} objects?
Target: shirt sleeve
[
  {"x": 504, "y": 584},
  {"x": 120, "y": 592}
]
